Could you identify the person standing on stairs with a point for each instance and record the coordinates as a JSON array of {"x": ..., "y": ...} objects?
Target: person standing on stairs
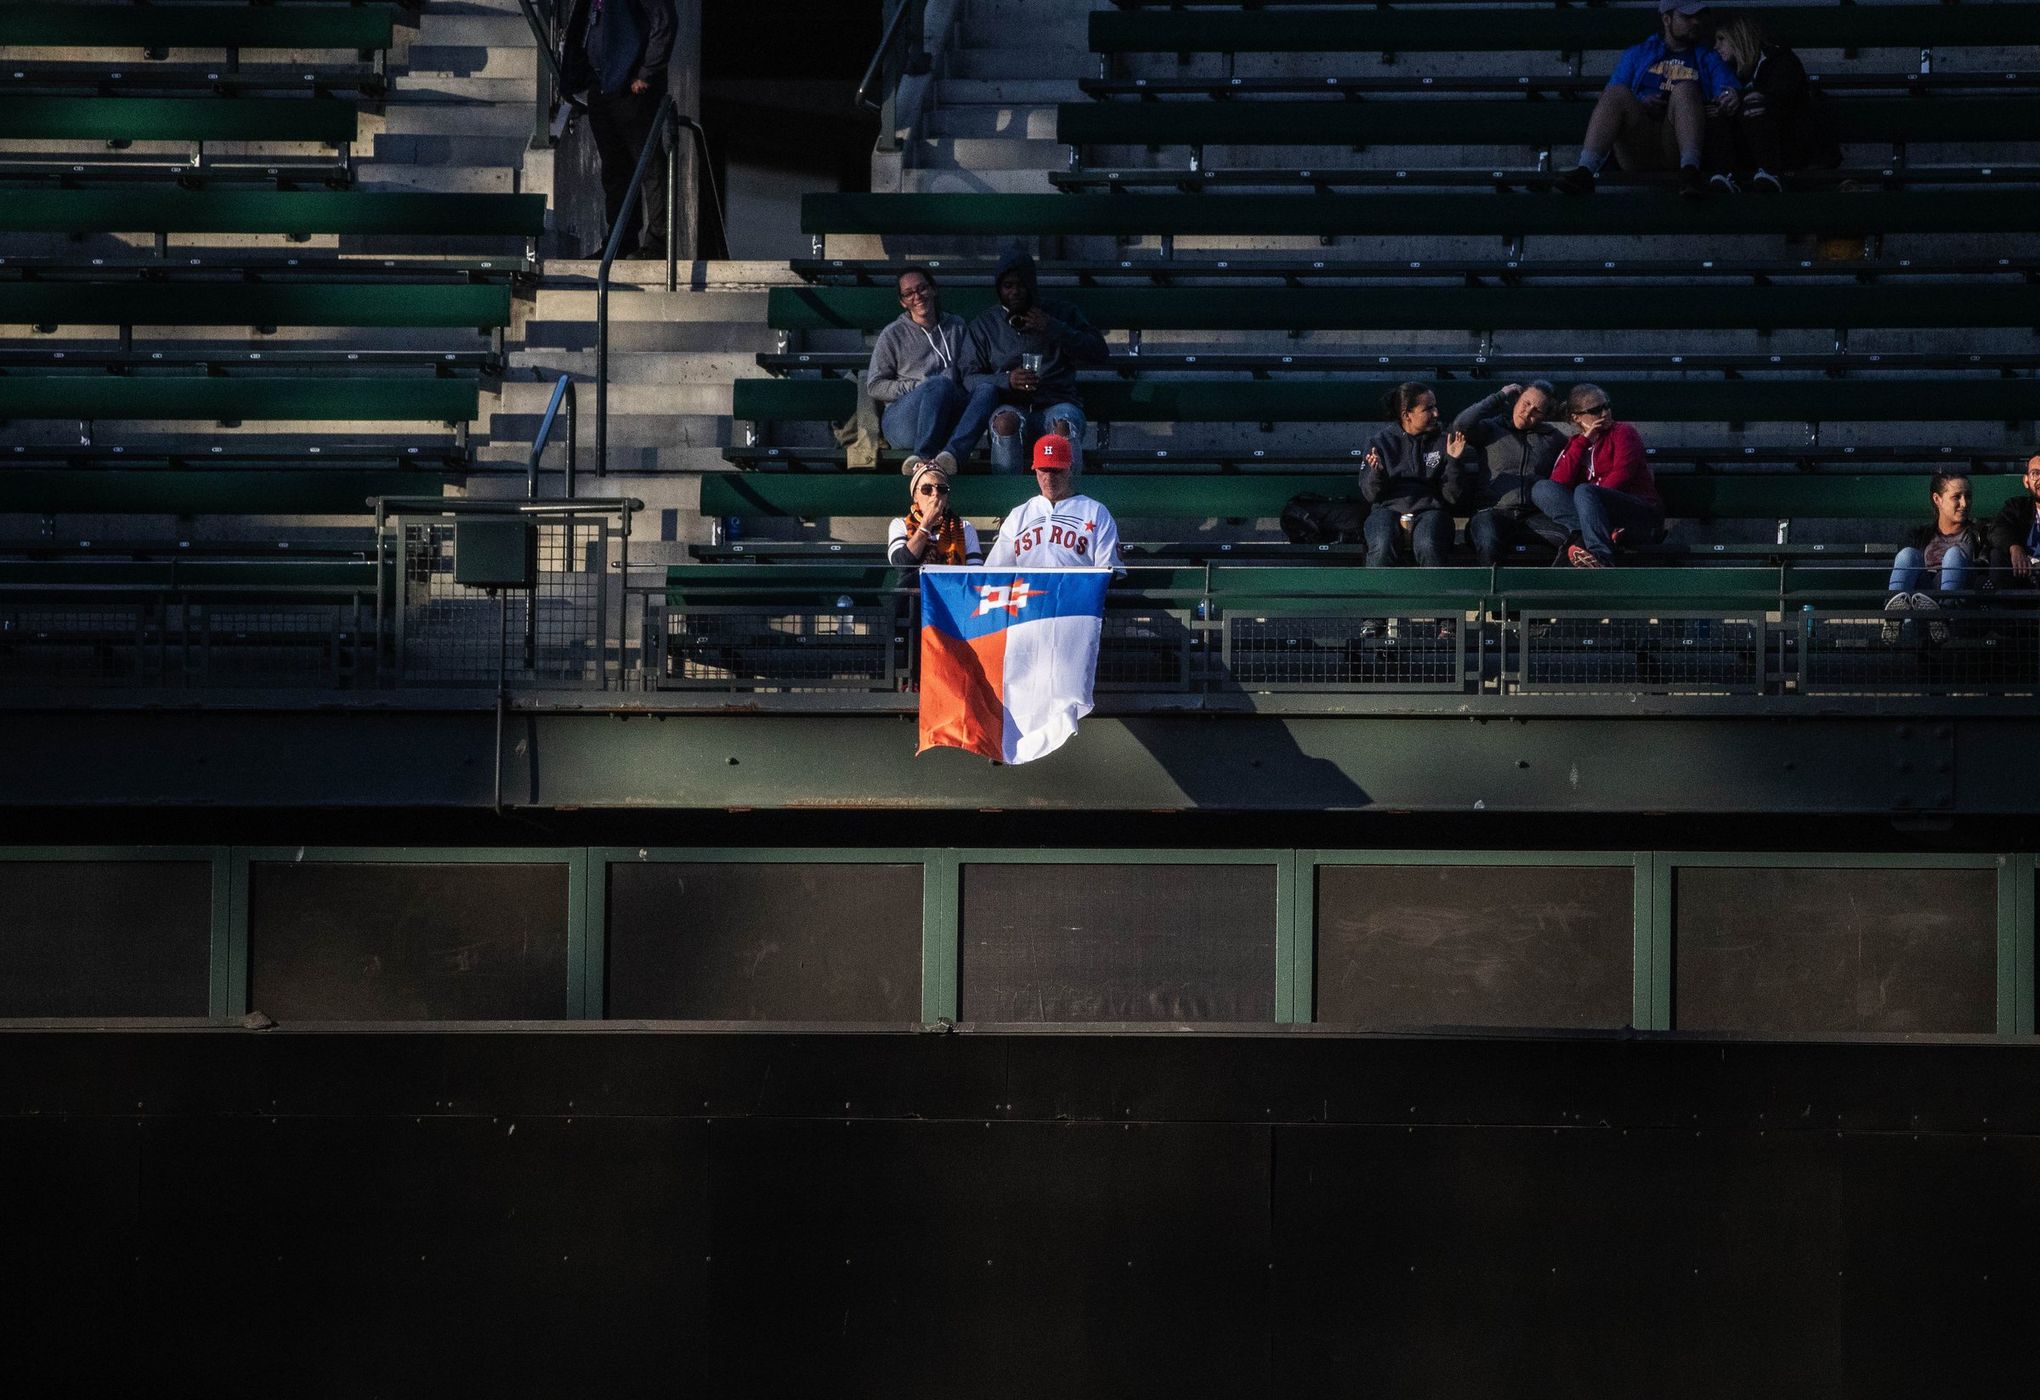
[{"x": 616, "y": 57}]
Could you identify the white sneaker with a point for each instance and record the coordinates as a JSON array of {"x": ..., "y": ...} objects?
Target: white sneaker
[
  {"x": 1722, "y": 183},
  {"x": 1898, "y": 603},
  {"x": 946, "y": 461},
  {"x": 1937, "y": 631},
  {"x": 1764, "y": 182}
]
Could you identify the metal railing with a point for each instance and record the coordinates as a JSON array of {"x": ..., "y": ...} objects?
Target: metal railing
[
  {"x": 670, "y": 120},
  {"x": 900, "y": 53},
  {"x": 562, "y": 391}
]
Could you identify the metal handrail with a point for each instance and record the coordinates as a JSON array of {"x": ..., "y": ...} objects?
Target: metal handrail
[
  {"x": 671, "y": 118},
  {"x": 885, "y": 48},
  {"x": 562, "y": 390},
  {"x": 538, "y": 32}
]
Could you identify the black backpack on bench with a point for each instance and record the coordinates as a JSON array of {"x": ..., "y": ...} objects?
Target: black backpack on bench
[{"x": 1309, "y": 518}]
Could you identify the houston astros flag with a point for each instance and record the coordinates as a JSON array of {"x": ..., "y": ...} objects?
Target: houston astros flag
[{"x": 1007, "y": 657}]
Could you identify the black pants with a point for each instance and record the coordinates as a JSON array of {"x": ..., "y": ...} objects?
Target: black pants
[{"x": 621, "y": 123}]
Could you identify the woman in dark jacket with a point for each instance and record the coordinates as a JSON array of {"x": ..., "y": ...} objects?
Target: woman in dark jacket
[
  {"x": 1411, "y": 483},
  {"x": 1944, "y": 552},
  {"x": 1774, "y": 124}
]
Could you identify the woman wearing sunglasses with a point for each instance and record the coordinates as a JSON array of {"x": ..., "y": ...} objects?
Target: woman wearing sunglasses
[
  {"x": 1601, "y": 485},
  {"x": 929, "y": 533}
]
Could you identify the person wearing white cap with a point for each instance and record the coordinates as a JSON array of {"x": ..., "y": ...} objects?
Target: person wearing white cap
[{"x": 1653, "y": 113}]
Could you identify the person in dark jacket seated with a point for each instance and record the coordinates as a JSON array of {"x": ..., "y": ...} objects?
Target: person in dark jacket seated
[
  {"x": 1944, "y": 552},
  {"x": 1506, "y": 446},
  {"x": 1776, "y": 126},
  {"x": 2015, "y": 535},
  {"x": 616, "y": 52},
  {"x": 1021, "y": 357},
  {"x": 1601, "y": 487},
  {"x": 1410, "y": 482}
]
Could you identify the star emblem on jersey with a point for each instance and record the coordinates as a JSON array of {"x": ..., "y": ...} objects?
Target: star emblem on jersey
[{"x": 1012, "y": 597}]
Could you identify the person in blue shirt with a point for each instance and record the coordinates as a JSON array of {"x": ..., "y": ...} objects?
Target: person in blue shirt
[{"x": 1653, "y": 113}]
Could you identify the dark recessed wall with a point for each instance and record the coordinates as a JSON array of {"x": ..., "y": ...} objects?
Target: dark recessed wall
[
  {"x": 1118, "y": 943},
  {"x": 1835, "y": 950},
  {"x": 105, "y": 938},
  {"x": 333, "y": 941},
  {"x": 745, "y": 941},
  {"x": 1465, "y": 945}
]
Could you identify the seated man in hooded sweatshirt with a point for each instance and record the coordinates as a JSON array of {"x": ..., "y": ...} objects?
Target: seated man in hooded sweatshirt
[{"x": 1024, "y": 402}]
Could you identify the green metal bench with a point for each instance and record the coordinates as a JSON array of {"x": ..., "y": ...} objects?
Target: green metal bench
[
  {"x": 239, "y": 576},
  {"x": 322, "y": 119},
  {"x": 218, "y": 398},
  {"x": 39, "y": 24},
  {"x": 117, "y": 492},
  {"x": 1249, "y": 496},
  {"x": 113, "y": 303},
  {"x": 1477, "y": 212},
  {"x": 1491, "y": 122},
  {"x": 1352, "y": 401},
  {"x": 271, "y": 211},
  {"x": 1542, "y": 30},
  {"x": 1450, "y": 308}
]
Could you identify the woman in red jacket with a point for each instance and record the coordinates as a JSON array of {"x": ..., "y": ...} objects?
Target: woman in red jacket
[{"x": 1601, "y": 485}]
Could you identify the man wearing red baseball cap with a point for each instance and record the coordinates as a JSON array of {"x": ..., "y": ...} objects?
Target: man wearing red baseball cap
[{"x": 1059, "y": 529}]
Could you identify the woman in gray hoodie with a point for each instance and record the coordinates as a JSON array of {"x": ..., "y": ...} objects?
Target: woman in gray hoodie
[{"x": 916, "y": 377}]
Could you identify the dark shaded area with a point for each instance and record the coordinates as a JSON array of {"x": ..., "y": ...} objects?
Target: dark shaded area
[
  {"x": 1118, "y": 943},
  {"x": 333, "y": 941},
  {"x": 748, "y": 942},
  {"x": 433, "y": 1212},
  {"x": 1463, "y": 945},
  {"x": 105, "y": 938},
  {"x": 1835, "y": 950}
]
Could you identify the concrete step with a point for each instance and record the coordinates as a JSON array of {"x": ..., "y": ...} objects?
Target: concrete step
[
  {"x": 637, "y": 304},
  {"x": 1049, "y": 61},
  {"x": 956, "y": 181},
  {"x": 984, "y": 156},
  {"x": 1001, "y": 121},
  {"x": 554, "y": 337},
  {"x": 504, "y": 150},
  {"x": 425, "y": 117},
  {"x": 408, "y": 88},
  {"x": 964, "y": 92},
  {"x": 706, "y": 275},
  {"x": 507, "y": 31},
  {"x": 708, "y": 368},
  {"x": 441, "y": 179},
  {"x": 425, "y": 62},
  {"x": 647, "y": 400}
]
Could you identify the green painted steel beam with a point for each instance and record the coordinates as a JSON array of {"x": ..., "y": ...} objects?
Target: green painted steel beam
[
  {"x": 1541, "y": 29},
  {"x": 1490, "y": 121},
  {"x": 1788, "y": 760},
  {"x": 1473, "y": 212},
  {"x": 334, "y": 491},
  {"x": 271, "y": 211},
  {"x": 25, "y": 396},
  {"x": 39, "y": 24},
  {"x": 479, "y": 306},
  {"x": 323, "y": 119},
  {"x": 1358, "y": 400}
]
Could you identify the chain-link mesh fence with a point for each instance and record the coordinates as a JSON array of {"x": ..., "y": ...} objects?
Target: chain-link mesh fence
[
  {"x": 1944, "y": 651},
  {"x": 549, "y": 635},
  {"x": 1685, "y": 654},
  {"x": 788, "y": 649},
  {"x": 182, "y": 643},
  {"x": 1423, "y": 652}
]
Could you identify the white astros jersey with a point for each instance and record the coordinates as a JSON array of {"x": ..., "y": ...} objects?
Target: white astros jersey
[{"x": 1074, "y": 533}]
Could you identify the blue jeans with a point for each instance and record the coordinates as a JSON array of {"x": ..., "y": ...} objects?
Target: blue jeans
[
  {"x": 1010, "y": 451},
  {"x": 937, "y": 415},
  {"x": 1594, "y": 512},
  {"x": 1430, "y": 538},
  {"x": 1492, "y": 531},
  {"x": 1909, "y": 571}
]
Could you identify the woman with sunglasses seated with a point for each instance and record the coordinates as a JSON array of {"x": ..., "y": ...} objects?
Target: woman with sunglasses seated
[
  {"x": 1601, "y": 486},
  {"x": 928, "y": 533}
]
